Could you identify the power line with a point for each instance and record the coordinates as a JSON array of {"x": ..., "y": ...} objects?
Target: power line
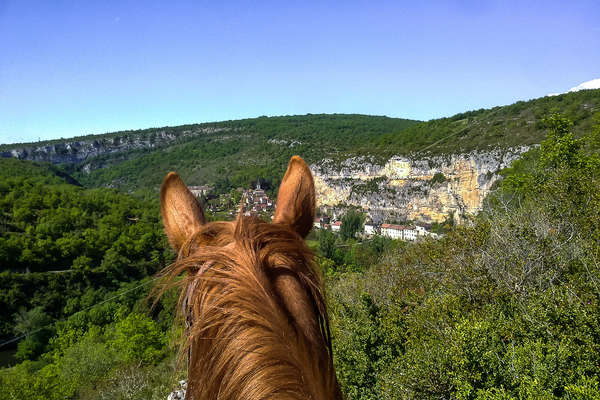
[
  {"x": 154, "y": 279},
  {"x": 438, "y": 141},
  {"x": 83, "y": 310}
]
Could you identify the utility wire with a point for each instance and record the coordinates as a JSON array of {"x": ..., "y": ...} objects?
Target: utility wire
[
  {"x": 85, "y": 309},
  {"x": 154, "y": 279},
  {"x": 437, "y": 142}
]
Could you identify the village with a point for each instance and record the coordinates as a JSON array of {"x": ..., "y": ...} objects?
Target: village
[
  {"x": 402, "y": 232},
  {"x": 257, "y": 202}
]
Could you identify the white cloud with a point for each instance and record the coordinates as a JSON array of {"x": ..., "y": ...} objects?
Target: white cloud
[{"x": 593, "y": 84}]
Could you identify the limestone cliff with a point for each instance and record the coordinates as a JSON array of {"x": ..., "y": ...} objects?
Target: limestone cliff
[
  {"x": 426, "y": 189},
  {"x": 86, "y": 150}
]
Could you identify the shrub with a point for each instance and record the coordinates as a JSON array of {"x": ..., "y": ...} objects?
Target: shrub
[{"x": 138, "y": 339}]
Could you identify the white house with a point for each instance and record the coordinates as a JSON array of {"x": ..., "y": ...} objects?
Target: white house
[
  {"x": 317, "y": 223},
  {"x": 409, "y": 233},
  {"x": 421, "y": 231},
  {"x": 399, "y": 232},
  {"x": 200, "y": 190},
  {"x": 392, "y": 231},
  {"x": 369, "y": 230},
  {"x": 336, "y": 226}
]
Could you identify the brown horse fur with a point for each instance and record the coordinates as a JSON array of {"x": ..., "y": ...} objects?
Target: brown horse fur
[{"x": 253, "y": 297}]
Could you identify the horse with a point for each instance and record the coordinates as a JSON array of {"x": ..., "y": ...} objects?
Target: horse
[{"x": 252, "y": 297}]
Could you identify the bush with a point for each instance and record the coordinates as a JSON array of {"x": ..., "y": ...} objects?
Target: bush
[
  {"x": 85, "y": 363},
  {"x": 505, "y": 308},
  {"x": 438, "y": 178},
  {"x": 138, "y": 339}
]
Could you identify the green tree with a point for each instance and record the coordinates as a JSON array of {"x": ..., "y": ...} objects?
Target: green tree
[
  {"x": 138, "y": 339},
  {"x": 327, "y": 241},
  {"x": 36, "y": 324},
  {"x": 560, "y": 148},
  {"x": 352, "y": 223}
]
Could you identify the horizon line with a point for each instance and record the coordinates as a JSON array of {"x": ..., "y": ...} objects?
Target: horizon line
[{"x": 280, "y": 116}]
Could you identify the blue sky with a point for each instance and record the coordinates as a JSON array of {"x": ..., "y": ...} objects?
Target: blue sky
[{"x": 77, "y": 67}]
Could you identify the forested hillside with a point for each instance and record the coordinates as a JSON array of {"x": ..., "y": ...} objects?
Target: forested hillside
[
  {"x": 244, "y": 151},
  {"x": 59, "y": 241},
  {"x": 231, "y": 154},
  {"x": 260, "y": 148},
  {"x": 506, "y": 306}
]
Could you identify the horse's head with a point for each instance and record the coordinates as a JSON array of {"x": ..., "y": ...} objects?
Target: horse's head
[
  {"x": 252, "y": 294},
  {"x": 183, "y": 216}
]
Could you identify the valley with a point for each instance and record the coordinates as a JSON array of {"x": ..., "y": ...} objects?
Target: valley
[
  {"x": 393, "y": 170},
  {"x": 82, "y": 242}
]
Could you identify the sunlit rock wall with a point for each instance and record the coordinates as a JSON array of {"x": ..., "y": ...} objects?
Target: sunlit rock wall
[{"x": 402, "y": 188}]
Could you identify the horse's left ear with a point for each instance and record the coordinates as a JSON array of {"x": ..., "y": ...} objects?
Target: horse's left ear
[
  {"x": 181, "y": 213},
  {"x": 296, "y": 199}
]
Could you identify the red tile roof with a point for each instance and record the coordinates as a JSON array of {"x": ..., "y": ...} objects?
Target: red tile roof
[{"x": 391, "y": 226}]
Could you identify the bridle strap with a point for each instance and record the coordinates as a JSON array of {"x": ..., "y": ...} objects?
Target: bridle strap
[{"x": 188, "y": 323}]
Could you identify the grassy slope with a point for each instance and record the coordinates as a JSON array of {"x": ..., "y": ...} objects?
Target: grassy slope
[
  {"x": 10, "y": 167},
  {"x": 513, "y": 125},
  {"x": 251, "y": 149},
  {"x": 260, "y": 147}
]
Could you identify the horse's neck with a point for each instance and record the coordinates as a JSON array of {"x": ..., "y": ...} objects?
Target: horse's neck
[{"x": 254, "y": 340}]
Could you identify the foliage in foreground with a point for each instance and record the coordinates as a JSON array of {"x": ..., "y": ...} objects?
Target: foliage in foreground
[
  {"x": 90, "y": 252},
  {"x": 115, "y": 350},
  {"x": 59, "y": 241},
  {"x": 506, "y": 308}
]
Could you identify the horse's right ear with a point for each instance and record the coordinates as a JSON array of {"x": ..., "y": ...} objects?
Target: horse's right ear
[
  {"x": 296, "y": 199},
  {"x": 181, "y": 213}
]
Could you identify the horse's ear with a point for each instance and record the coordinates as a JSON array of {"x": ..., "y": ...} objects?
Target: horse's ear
[
  {"x": 181, "y": 213},
  {"x": 296, "y": 199}
]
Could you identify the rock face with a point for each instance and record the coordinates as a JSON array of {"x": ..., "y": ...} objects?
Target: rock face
[
  {"x": 417, "y": 188},
  {"x": 425, "y": 189},
  {"x": 79, "y": 151}
]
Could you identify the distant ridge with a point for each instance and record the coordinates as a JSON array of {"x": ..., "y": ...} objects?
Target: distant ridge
[
  {"x": 206, "y": 125},
  {"x": 231, "y": 154}
]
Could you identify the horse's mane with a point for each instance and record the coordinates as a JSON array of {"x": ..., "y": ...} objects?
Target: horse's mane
[{"x": 259, "y": 329}]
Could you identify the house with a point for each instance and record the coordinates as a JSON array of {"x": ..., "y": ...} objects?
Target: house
[
  {"x": 200, "y": 190},
  {"x": 422, "y": 231},
  {"x": 401, "y": 232},
  {"x": 336, "y": 226},
  {"x": 257, "y": 200},
  {"x": 317, "y": 223},
  {"x": 409, "y": 233},
  {"x": 370, "y": 229},
  {"x": 392, "y": 231}
]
